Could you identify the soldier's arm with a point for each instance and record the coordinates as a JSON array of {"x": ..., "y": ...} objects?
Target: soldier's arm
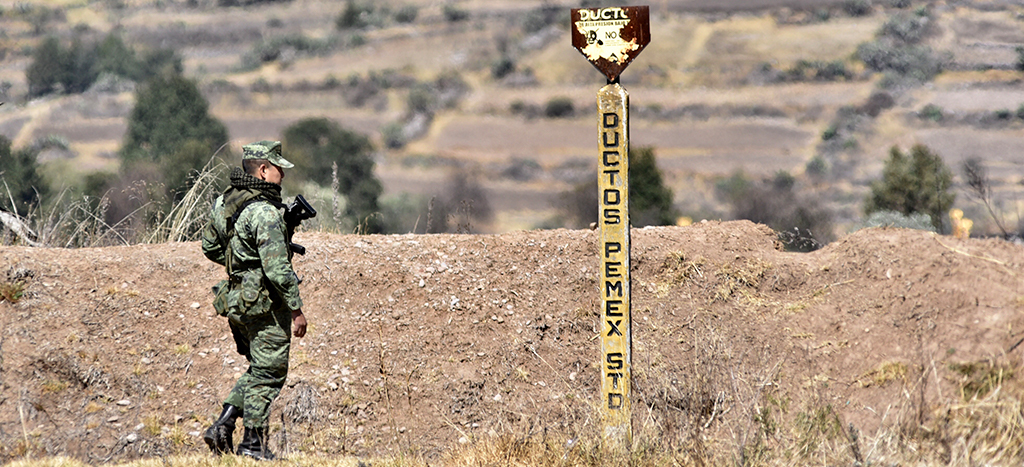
[
  {"x": 271, "y": 240},
  {"x": 214, "y": 247}
]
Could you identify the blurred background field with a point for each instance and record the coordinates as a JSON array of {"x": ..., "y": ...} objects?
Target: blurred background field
[{"x": 484, "y": 108}]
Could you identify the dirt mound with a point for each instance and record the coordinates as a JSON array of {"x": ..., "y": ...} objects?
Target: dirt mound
[{"x": 417, "y": 342}]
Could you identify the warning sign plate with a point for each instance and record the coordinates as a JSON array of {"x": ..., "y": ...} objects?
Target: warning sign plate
[{"x": 611, "y": 37}]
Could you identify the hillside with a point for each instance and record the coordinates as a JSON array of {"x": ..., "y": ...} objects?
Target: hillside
[{"x": 871, "y": 348}]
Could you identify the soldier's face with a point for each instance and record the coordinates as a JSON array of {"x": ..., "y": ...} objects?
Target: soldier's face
[{"x": 271, "y": 173}]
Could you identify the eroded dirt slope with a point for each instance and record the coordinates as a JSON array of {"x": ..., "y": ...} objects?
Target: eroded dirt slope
[{"x": 419, "y": 341}]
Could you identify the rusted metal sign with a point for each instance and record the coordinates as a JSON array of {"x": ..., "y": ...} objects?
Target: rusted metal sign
[
  {"x": 611, "y": 37},
  {"x": 613, "y": 244}
]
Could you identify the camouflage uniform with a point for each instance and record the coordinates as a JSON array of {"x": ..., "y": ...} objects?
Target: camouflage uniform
[{"x": 247, "y": 234}]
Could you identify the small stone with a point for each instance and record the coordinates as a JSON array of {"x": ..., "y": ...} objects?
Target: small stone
[
  {"x": 124, "y": 402},
  {"x": 131, "y": 438},
  {"x": 463, "y": 440},
  {"x": 112, "y": 419},
  {"x": 146, "y": 361},
  {"x": 195, "y": 305}
]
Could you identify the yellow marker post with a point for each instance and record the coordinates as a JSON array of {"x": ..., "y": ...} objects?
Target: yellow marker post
[
  {"x": 610, "y": 38},
  {"x": 613, "y": 218}
]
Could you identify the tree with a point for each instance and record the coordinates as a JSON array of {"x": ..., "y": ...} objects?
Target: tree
[
  {"x": 44, "y": 73},
  {"x": 315, "y": 145},
  {"x": 169, "y": 112},
  {"x": 76, "y": 68},
  {"x": 803, "y": 223},
  {"x": 650, "y": 201},
  {"x": 919, "y": 183},
  {"x": 115, "y": 57},
  {"x": 19, "y": 179},
  {"x": 170, "y": 135}
]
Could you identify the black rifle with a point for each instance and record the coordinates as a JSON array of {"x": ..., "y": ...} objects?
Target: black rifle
[{"x": 294, "y": 213}]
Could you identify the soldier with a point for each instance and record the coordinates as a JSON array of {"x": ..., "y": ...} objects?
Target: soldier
[{"x": 248, "y": 236}]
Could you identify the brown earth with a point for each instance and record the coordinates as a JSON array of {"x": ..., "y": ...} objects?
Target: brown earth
[{"x": 419, "y": 342}]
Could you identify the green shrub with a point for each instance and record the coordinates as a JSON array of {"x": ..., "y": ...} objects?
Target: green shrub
[
  {"x": 393, "y": 135},
  {"x": 559, "y": 107},
  {"x": 454, "y": 14},
  {"x": 830, "y": 133},
  {"x": 45, "y": 70},
  {"x": 915, "y": 64},
  {"x": 421, "y": 99},
  {"x": 325, "y": 153},
  {"x": 503, "y": 67},
  {"x": 20, "y": 179},
  {"x": 857, "y": 7},
  {"x": 171, "y": 118},
  {"x": 407, "y": 14},
  {"x": 354, "y": 16},
  {"x": 931, "y": 112},
  {"x": 650, "y": 201},
  {"x": 818, "y": 70},
  {"x": 918, "y": 183},
  {"x": 906, "y": 28},
  {"x": 817, "y": 167},
  {"x": 1020, "y": 112},
  {"x": 269, "y": 50}
]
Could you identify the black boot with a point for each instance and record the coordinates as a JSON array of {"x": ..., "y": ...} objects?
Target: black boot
[
  {"x": 218, "y": 436},
  {"x": 255, "y": 444}
]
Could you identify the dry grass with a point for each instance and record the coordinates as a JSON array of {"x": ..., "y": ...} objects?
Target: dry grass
[
  {"x": 12, "y": 291},
  {"x": 185, "y": 220},
  {"x": 73, "y": 222},
  {"x": 761, "y": 425},
  {"x": 884, "y": 373}
]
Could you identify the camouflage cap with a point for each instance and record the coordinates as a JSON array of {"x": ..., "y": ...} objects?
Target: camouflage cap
[{"x": 269, "y": 150}]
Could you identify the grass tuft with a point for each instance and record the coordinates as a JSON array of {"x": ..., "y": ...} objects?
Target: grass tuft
[{"x": 12, "y": 291}]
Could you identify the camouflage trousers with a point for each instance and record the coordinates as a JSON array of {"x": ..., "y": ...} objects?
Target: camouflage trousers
[{"x": 264, "y": 341}]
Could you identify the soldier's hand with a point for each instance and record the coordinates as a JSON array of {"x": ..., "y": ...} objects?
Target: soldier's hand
[{"x": 299, "y": 323}]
